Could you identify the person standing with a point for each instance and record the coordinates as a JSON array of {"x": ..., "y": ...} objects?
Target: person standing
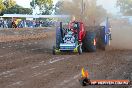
[
  {"x": 14, "y": 24},
  {"x": 0, "y": 23},
  {"x": 34, "y": 24},
  {"x": 5, "y": 24},
  {"x": 9, "y": 24}
]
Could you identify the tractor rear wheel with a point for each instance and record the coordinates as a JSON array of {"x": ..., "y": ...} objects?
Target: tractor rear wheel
[
  {"x": 58, "y": 38},
  {"x": 80, "y": 49},
  {"x": 89, "y": 42},
  {"x": 54, "y": 51},
  {"x": 101, "y": 38}
]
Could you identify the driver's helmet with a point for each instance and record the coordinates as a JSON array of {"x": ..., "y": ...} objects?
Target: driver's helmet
[
  {"x": 73, "y": 18},
  {"x": 75, "y": 25}
]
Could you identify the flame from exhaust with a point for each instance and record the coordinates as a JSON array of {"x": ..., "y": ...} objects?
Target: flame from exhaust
[
  {"x": 94, "y": 42},
  {"x": 84, "y": 73}
]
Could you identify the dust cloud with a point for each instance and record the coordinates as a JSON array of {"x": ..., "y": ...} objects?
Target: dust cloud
[{"x": 121, "y": 35}]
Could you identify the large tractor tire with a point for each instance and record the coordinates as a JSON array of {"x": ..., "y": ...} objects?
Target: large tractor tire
[
  {"x": 80, "y": 49},
  {"x": 89, "y": 42},
  {"x": 54, "y": 50},
  {"x": 102, "y": 38},
  {"x": 58, "y": 38}
]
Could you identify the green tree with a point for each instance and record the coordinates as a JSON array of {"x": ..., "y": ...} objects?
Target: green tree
[
  {"x": 45, "y": 6},
  {"x": 125, "y": 6},
  {"x": 6, "y": 4},
  {"x": 2, "y": 6},
  {"x": 9, "y": 3},
  {"x": 18, "y": 10}
]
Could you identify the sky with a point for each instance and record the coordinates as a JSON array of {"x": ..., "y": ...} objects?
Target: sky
[
  {"x": 26, "y": 3},
  {"x": 109, "y": 5}
]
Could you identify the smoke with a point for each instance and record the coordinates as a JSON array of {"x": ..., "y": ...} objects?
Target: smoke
[
  {"x": 49, "y": 42},
  {"x": 88, "y": 11},
  {"x": 121, "y": 35}
]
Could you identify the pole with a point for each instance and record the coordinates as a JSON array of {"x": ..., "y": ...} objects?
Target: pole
[
  {"x": 34, "y": 6},
  {"x": 34, "y": 13},
  {"x": 82, "y": 12},
  {"x": 82, "y": 7}
]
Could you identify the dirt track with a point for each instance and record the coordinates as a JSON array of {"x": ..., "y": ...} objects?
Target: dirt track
[{"x": 30, "y": 64}]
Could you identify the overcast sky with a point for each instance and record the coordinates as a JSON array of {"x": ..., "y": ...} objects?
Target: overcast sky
[{"x": 109, "y": 5}]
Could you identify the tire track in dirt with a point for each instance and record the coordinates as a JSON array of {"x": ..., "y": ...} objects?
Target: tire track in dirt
[
  {"x": 25, "y": 81},
  {"x": 30, "y": 68},
  {"x": 31, "y": 74},
  {"x": 113, "y": 64}
]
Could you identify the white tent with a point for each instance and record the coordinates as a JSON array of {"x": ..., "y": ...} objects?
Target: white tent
[{"x": 34, "y": 16}]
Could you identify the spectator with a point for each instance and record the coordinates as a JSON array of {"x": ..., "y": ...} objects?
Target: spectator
[
  {"x": 14, "y": 24},
  {"x": 5, "y": 24},
  {"x": 9, "y": 24},
  {"x": 0, "y": 23},
  {"x": 34, "y": 24}
]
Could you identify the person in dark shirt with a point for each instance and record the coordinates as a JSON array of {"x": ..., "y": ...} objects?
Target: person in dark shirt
[{"x": 14, "y": 25}]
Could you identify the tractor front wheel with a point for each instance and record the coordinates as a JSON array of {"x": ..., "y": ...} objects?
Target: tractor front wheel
[
  {"x": 80, "y": 49},
  {"x": 54, "y": 50},
  {"x": 58, "y": 38}
]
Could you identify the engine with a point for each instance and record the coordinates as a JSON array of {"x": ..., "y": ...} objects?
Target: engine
[{"x": 69, "y": 37}]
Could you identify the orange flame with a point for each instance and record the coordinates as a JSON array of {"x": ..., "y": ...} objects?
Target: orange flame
[
  {"x": 94, "y": 42},
  {"x": 84, "y": 73}
]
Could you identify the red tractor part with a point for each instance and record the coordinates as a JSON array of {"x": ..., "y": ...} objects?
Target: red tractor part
[
  {"x": 86, "y": 38},
  {"x": 81, "y": 31}
]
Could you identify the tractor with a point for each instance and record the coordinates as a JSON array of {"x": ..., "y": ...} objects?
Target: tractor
[{"x": 76, "y": 37}]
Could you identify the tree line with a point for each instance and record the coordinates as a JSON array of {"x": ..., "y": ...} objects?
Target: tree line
[
  {"x": 72, "y": 7},
  {"x": 10, "y": 7}
]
